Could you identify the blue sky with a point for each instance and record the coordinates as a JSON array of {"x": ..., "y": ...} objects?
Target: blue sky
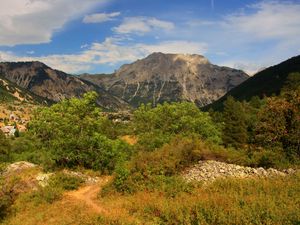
[{"x": 97, "y": 36}]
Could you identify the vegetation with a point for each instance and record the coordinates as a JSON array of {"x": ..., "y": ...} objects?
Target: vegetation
[
  {"x": 55, "y": 140},
  {"x": 168, "y": 139},
  {"x": 156, "y": 126},
  {"x": 235, "y": 130},
  {"x": 231, "y": 201}
]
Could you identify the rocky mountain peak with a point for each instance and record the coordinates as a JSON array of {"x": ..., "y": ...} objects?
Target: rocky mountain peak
[{"x": 170, "y": 77}]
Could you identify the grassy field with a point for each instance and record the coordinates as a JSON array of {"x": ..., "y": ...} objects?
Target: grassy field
[{"x": 231, "y": 201}]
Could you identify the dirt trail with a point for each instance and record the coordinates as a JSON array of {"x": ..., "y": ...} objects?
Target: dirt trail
[{"x": 88, "y": 195}]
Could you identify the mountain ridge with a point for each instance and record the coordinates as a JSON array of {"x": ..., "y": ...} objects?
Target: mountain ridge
[
  {"x": 264, "y": 83},
  {"x": 54, "y": 85},
  {"x": 163, "y": 77}
]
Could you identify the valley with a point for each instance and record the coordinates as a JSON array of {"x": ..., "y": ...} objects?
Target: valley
[{"x": 149, "y": 112}]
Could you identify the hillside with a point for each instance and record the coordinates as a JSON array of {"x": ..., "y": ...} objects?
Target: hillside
[
  {"x": 170, "y": 78},
  {"x": 54, "y": 85},
  {"x": 265, "y": 83},
  {"x": 10, "y": 92}
]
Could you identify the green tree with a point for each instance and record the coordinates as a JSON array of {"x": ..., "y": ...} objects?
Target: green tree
[
  {"x": 75, "y": 133},
  {"x": 235, "y": 129},
  {"x": 161, "y": 123},
  {"x": 251, "y": 110}
]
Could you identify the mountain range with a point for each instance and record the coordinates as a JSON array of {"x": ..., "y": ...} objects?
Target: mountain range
[
  {"x": 54, "y": 85},
  {"x": 155, "y": 79}
]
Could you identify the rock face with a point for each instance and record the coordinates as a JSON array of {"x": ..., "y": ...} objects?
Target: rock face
[
  {"x": 170, "y": 77},
  {"x": 53, "y": 84},
  {"x": 210, "y": 170}
]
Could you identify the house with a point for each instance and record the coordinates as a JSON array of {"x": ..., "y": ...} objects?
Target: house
[
  {"x": 8, "y": 130},
  {"x": 13, "y": 117}
]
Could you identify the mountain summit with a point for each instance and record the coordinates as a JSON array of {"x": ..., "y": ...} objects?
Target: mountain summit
[{"x": 170, "y": 77}]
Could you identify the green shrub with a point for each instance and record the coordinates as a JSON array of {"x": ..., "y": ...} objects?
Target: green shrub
[
  {"x": 65, "y": 181},
  {"x": 155, "y": 169},
  {"x": 274, "y": 158},
  {"x": 48, "y": 194}
]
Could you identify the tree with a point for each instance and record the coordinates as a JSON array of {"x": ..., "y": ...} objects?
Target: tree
[
  {"x": 161, "y": 123},
  {"x": 235, "y": 129},
  {"x": 279, "y": 120},
  {"x": 74, "y": 131}
]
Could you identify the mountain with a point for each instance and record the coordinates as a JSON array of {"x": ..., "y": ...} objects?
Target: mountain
[
  {"x": 54, "y": 85},
  {"x": 170, "y": 77},
  {"x": 10, "y": 92},
  {"x": 265, "y": 83}
]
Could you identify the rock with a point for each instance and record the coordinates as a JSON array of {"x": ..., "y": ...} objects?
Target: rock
[
  {"x": 208, "y": 171},
  {"x": 289, "y": 171},
  {"x": 18, "y": 167},
  {"x": 86, "y": 178},
  {"x": 43, "y": 178}
]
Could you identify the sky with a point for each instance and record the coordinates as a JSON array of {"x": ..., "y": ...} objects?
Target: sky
[{"x": 98, "y": 36}]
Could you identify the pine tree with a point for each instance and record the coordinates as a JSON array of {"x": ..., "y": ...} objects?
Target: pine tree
[{"x": 235, "y": 129}]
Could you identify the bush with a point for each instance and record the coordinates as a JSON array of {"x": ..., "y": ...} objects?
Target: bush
[
  {"x": 54, "y": 190},
  {"x": 48, "y": 194},
  {"x": 65, "y": 181},
  {"x": 274, "y": 158},
  {"x": 7, "y": 195},
  {"x": 156, "y": 169}
]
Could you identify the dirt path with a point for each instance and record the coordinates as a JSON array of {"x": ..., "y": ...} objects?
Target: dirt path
[{"x": 88, "y": 195}]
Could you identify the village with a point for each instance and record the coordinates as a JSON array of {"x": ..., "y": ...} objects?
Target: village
[{"x": 14, "y": 118}]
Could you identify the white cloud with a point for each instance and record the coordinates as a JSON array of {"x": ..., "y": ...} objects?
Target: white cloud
[
  {"x": 30, "y": 52},
  {"x": 111, "y": 52},
  {"x": 84, "y": 46},
  {"x": 35, "y": 21},
  {"x": 142, "y": 25},
  {"x": 100, "y": 17},
  {"x": 270, "y": 20},
  {"x": 66, "y": 63},
  {"x": 257, "y": 36}
]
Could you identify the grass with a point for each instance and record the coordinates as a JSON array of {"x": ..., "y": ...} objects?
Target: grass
[{"x": 230, "y": 201}]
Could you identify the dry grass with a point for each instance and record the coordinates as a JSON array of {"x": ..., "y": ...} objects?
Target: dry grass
[
  {"x": 231, "y": 201},
  {"x": 129, "y": 139}
]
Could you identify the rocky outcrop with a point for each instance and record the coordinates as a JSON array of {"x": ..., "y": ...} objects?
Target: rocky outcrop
[
  {"x": 170, "y": 77},
  {"x": 55, "y": 85},
  {"x": 17, "y": 167},
  {"x": 208, "y": 171}
]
